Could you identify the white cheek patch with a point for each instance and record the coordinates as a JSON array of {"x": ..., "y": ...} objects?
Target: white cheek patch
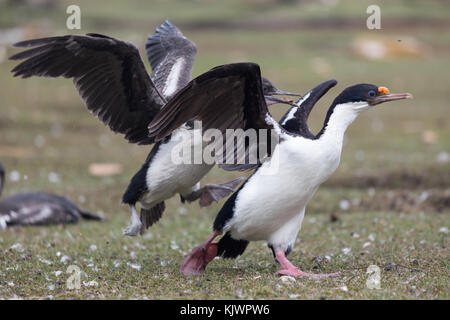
[
  {"x": 303, "y": 99},
  {"x": 290, "y": 115}
]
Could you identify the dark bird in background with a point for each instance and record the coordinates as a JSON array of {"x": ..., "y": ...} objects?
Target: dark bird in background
[
  {"x": 38, "y": 208},
  {"x": 270, "y": 205},
  {"x": 115, "y": 87}
]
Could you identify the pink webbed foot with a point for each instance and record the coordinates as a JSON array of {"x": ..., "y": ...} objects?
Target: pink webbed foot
[
  {"x": 196, "y": 262},
  {"x": 294, "y": 272},
  {"x": 291, "y": 270}
]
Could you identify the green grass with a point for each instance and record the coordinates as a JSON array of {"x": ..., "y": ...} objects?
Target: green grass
[{"x": 386, "y": 167}]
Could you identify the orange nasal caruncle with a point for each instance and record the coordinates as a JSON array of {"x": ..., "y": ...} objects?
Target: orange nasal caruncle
[{"x": 383, "y": 90}]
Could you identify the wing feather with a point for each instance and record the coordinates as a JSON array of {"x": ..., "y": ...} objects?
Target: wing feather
[
  {"x": 108, "y": 74},
  {"x": 226, "y": 97}
]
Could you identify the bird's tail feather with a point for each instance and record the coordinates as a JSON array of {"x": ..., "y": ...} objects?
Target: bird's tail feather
[
  {"x": 90, "y": 216},
  {"x": 230, "y": 248},
  {"x": 152, "y": 215}
]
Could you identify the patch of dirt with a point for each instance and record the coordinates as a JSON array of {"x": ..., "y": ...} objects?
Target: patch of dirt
[
  {"x": 401, "y": 201},
  {"x": 429, "y": 179}
]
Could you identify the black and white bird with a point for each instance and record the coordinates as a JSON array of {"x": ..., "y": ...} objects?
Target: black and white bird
[
  {"x": 271, "y": 204},
  {"x": 115, "y": 86},
  {"x": 38, "y": 208}
]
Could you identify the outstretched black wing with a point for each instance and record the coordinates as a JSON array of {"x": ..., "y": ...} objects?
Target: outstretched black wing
[
  {"x": 171, "y": 56},
  {"x": 108, "y": 74},
  {"x": 226, "y": 97},
  {"x": 295, "y": 120}
]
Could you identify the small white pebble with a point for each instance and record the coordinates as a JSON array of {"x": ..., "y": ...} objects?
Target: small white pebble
[
  {"x": 366, "y": 244},
  {"x": 58, "y": 273},
  {"x": 443, "y": 230},
  {"x": 344, "y": 288},
  {"x": 17, "y": 247},
  {"x": 135, "y": 266},
  {"x": 293, "y": 295},
  {"x": 344, "y": 205},
  {"x": 14, "y": 176},
  {"x": 443, "y": 157},
  {"x": 423, "y": 196},
  {"x": 47, "y": 262},
  {"x": 93, "y": 247},
  {"x": 53, "y": 177},
  {"x": 92, "y": 283},
  {"x": 51, "y": 287},
  {"x": 173, "y": 245},
  {"x": 65, "y": 259},
  {"x": 346, "y": 250},
  {"x": 371, "y": 237},
  {"x": 287, "y": 279}
]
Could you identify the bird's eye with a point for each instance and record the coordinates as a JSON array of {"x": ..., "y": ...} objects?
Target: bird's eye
[
  {"x": 372, "y": 93},
  {"x": 265, "y": 89}
]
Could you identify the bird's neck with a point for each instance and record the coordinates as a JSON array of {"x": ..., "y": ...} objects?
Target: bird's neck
[{"x": 338, "y": 118}]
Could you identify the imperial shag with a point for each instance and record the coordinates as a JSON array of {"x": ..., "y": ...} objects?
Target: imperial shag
[{"x": 270, "y": 205}]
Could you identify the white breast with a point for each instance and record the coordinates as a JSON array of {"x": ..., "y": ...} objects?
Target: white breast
[
  {"x": 165, "y": 178},
  {"x": 274, "y": 202}
]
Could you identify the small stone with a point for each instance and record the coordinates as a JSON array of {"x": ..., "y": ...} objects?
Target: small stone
[
  {"x": 53, "y": 177},
  {"x": 14, "y": 176},
  {"x": 344, "y": 205},
  {"x": 443, "y": 230},
  {"x": 443, "y": 157},
  {"x": 16, "y": 247},
  {"x": 287, "y": 279},
  {"x": 65, "y": 258},
  {"x": 93, "y": 247},
  {"x": 344, "y": 288},
  {"x": 346, "y": 250}
]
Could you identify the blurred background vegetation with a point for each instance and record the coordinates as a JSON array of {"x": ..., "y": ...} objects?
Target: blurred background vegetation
[{"x": 396, "y": 157}]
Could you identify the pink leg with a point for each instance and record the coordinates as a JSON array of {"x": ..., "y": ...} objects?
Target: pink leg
[
  {"x": 196, "y": 262},
  {"x": 290, "y": 270}
]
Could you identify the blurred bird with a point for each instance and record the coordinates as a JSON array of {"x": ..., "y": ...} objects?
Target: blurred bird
[{"x": 38, "y": 208}]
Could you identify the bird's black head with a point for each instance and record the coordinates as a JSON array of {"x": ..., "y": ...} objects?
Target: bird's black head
[
  {"x": 270, "y": 91},
  {"x": 355, "y": 99},
  {"x": 368, "y": 95},
  {"x": 2, "y": 178}
]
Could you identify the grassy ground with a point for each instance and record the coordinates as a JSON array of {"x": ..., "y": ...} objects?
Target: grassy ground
[{"x": 393, "y": 172}]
